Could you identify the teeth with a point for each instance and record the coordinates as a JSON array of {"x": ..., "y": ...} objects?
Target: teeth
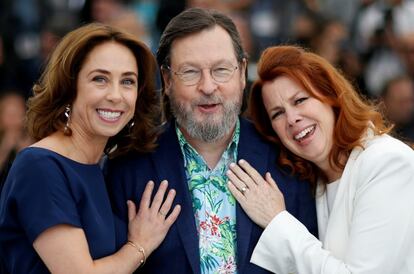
[
  {"x": 303, "y": 133},
  {"x": 109, "y": 115}
]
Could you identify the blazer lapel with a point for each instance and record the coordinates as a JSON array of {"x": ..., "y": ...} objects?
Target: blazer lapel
[
  {"x": 168, "y": 161},
  {"x": 338, "y": 220},
  {"x": 322, "y": 212},
  {"x": 251, "y": 149}
]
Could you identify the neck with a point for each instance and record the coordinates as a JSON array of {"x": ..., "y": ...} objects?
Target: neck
[
  {"x": 87, "y": 150},
  {"x": 332, "y": 173},
  {"x": 210, "y": 151},
  {"x": 76, "y": 147}
]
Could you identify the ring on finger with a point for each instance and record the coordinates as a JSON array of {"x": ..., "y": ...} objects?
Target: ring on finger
[
  {"x": 162, "y": 213},
  {"x": 243, "y": 189}
]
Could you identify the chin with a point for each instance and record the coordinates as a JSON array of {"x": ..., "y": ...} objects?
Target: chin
[
  {"x": 109, "y": 133},
  {"x": 212, "y": 118}
]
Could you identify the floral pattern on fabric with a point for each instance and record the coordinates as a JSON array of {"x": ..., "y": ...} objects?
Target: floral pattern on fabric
[{"x": 214, "y": 207}]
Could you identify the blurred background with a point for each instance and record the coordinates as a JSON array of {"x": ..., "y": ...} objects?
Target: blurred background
[{"x": 371, "y": 41}]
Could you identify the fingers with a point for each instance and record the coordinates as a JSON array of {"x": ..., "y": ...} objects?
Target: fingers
[
  {"x": 146, "y": 196},
  {"x": 270, "y": 181},
  {"x": 132, "y": 210},
  {"x": 159, "y": 196},
  {"x": 236, "y": 182},
  {"x": 244, "y": 176},
  {"x": 151, "y": 224},
  {"x": 252, "y": 172},
  {"x": 173, "y": 216},
  {"x": 240, "y": 176},
  {"x": 236, "y": 192},
  {"x": 166, "y": 206},
  {"x": 161, "y": 207}
]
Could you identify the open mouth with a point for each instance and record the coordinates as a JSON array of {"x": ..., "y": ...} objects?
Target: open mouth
[
  {"x": 208, "y": 107},
  {"x": 304, "y": 133},
  {"x": 109, "y": 115}
]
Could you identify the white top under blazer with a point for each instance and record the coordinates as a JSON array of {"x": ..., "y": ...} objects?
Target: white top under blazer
[{"x": 370, "y": 229}]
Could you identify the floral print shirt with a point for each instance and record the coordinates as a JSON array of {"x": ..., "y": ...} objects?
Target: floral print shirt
[{"x": 214, "y": 207}]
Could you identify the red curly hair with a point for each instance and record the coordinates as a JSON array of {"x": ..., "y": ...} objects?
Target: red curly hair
[{"x": 321, "y": 80}]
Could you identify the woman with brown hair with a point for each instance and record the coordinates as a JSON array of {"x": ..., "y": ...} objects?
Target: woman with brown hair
[
  {"x": 363, "y": 178},
  {"x": 95, "y": 96}
]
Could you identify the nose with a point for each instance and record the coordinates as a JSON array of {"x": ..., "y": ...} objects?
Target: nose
[
  {"x": 293, "y": 116},
  {"x": 114, "y": 93},
  {"x": 207, "y": 85}
]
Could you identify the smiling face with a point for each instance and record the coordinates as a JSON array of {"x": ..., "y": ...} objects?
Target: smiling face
[
  {"x": 207, "y": 110},
  {"x": 303, "y": 123},
  {"x": 107, "y": 89}
]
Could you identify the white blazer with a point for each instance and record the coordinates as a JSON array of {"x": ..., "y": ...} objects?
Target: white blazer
[{"x": 371, "y": 226}]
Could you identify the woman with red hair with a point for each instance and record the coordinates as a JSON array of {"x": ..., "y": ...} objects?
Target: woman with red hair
[{"x": 363, "y": 178}]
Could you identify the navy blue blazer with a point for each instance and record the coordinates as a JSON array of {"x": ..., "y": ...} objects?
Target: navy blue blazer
[{"x": 179, "y": 252}]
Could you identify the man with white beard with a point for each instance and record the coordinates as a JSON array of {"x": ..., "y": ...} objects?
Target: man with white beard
[{"x": 203, "y": 68}]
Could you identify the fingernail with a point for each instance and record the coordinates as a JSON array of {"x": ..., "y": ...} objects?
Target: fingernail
[
  {"x": 232, "y": 164},
  {"x": 242, "y": 161}
]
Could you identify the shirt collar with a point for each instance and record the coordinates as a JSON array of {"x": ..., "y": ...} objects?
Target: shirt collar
[{"x": 189, "y": 151}]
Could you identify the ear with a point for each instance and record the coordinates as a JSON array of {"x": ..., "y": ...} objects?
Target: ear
[
  {"x": 166, "y": 77},
  {"x": 243, "y": 68}
]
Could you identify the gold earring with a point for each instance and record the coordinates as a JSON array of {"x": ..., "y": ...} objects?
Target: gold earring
[{"x": 67, "y": 131}]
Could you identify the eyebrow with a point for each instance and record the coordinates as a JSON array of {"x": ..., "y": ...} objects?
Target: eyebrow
[
  {"x": 289, "y": 99},
  {"x": 295, "y": 94},
  {"x": 103, "y": 71},
  {"x": 218, "y": 62}
]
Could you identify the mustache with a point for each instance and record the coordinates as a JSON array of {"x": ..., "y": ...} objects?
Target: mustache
[{"x": 208, "y": 100}]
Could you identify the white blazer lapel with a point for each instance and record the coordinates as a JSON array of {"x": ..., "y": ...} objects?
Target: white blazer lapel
[
  {"x": 321, "y": 212},
  {"x": 337, "y": 230}
]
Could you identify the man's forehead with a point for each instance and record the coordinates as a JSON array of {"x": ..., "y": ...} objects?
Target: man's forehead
[{"x": 206, "y": 47}]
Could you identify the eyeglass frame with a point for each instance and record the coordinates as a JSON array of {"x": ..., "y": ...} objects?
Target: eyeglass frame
[{"x": 200, "y": 70}]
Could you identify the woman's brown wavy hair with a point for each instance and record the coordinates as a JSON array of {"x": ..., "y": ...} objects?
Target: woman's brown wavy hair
[
  {"x": 320, "y": 79},
  {"x": 56, "y": 88}
]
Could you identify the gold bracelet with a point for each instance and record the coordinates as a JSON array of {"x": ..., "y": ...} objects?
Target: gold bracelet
[{"x": 140, "y": 250}]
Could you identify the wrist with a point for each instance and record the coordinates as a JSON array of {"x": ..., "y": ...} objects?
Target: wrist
[
  {"x": 143, "y": 242},
  {"x": 140, "y": 250}
]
